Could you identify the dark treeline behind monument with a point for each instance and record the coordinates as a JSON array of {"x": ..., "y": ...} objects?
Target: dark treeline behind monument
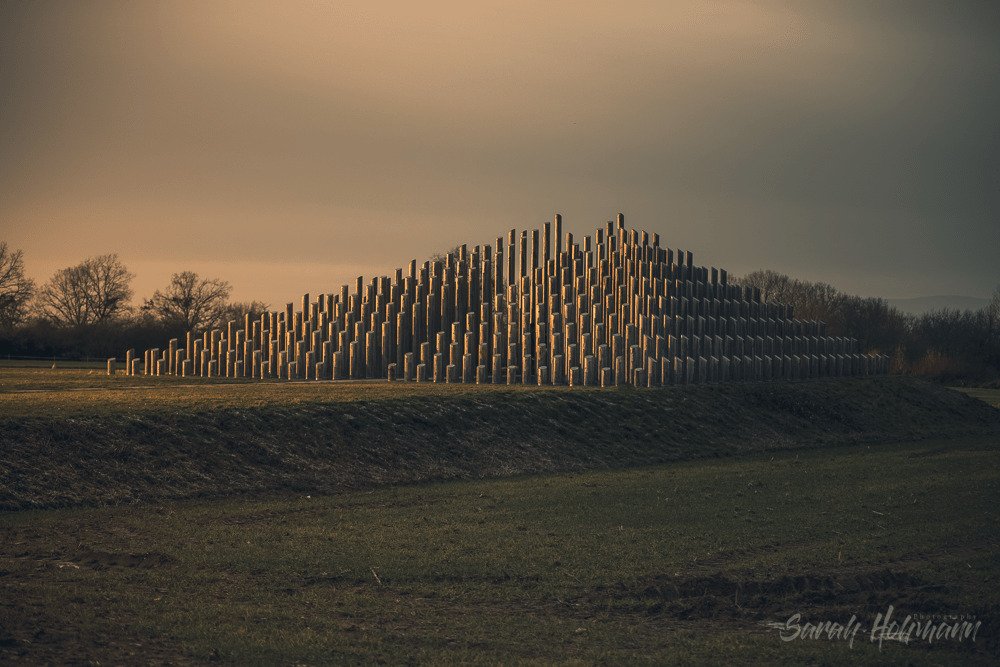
[
  {"x": 945, "y": 345},
  {"x": 89, "y": 311}
]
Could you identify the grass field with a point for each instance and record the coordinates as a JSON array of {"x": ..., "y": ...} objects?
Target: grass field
[
  {"x": 676, "y": 563},
  {"x": 778, "y": 499},
  {"x": 68, "y": 438},
  {"x": 93, "y": 390},
  {"x": 27, "y": 391},
  {"x": 991, "y": 396}
]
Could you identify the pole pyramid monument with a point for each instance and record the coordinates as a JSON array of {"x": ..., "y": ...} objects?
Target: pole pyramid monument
[{"x": 537, "y": 307}]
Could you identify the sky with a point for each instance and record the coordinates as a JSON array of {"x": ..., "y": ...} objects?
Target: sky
[{"x": 289, "y": 147}]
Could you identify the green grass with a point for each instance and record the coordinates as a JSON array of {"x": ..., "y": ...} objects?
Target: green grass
[
  {"x": 84, "y": 375},
  {"x": 55, "y": 364},
  {"x": 34, "y": 391},
  {"x": 808, "y": 497},
  {"x": 991, "y": 396},
  {"x": 116, "y": 444},
  {"x": 678, "y": 563}
]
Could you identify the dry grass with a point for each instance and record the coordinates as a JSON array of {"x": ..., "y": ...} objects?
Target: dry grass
[
  {"x": 779, "y": 498},
  {"x": 118, "y": 444},
  {"x": 678, "y": 563},
  {"x": 990, "y": 396},
  {"x": 40, "y": 391}
]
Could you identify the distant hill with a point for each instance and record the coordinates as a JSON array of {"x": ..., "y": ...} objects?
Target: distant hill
[{"x": 922, "y": 304}]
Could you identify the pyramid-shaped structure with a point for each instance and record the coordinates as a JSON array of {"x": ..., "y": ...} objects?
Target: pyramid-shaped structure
[{"x": 613, "y": 308}]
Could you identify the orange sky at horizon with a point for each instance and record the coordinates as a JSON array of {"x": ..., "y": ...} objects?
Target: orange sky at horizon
[{"x": 288, "y": 148}]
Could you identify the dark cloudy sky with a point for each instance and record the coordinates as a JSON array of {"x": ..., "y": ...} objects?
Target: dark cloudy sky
[{"x": 290, "y": 146}]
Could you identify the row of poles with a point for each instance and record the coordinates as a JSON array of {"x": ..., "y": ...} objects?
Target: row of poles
[{"x": 536, "y": 307}]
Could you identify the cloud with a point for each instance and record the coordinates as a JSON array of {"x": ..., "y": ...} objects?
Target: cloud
[{"x": 852, "y": 143}]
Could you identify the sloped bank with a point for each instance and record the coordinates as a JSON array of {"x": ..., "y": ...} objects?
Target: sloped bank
[{"x": 325, "y": 447}]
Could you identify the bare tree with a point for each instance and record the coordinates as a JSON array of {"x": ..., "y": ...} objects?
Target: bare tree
[
  {"x": 993, "y": 309},
  {"x": 190, "y": 302},
  {"x": 773, "y": 286},
  {"x": 96, "y": 290},
  {"x": 108, "y": 286},
  {"x": 16, "y": 289},
  {"x": 62, "y": 299},
  {"x": 443, "y": 255},
  {"x": 872, "y": 321},
  {"x": 238, "y": 310}
]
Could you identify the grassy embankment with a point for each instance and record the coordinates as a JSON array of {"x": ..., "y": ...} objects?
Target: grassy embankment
[
  {"x": 669, "y": 563},
  {"x": 820, "y": 506},
  {"x": 70, "y": 438}
]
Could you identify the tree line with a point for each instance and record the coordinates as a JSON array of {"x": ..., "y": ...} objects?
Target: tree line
[
  {"x": 947, "y": 345},
  {"x": 87, "y": 310}
]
